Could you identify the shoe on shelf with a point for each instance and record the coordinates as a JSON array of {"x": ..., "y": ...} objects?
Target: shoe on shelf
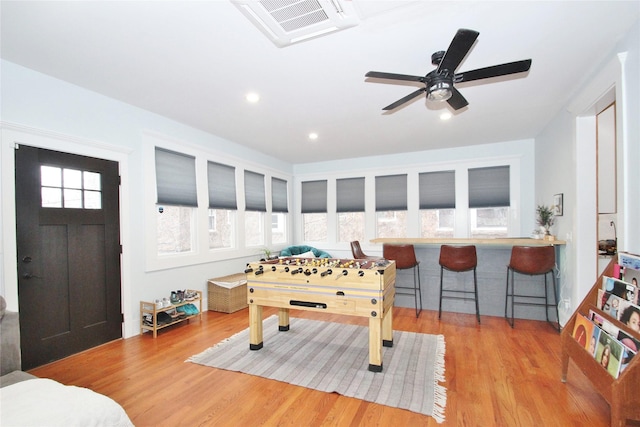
[
  {"x": 166, "y": 303},
  {"x": 193, "y": 309},
  {"x": 174, "y": 297},
  {"x": 180, "y": 295},
  {"x": 163, "y": 319},
  {"x": 159, "y": 304},
  {"x": 190, "y": 295}
]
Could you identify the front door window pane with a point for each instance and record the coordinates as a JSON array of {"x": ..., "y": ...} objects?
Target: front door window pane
[
  {"x": 51, "y": 197},
  {"x": 70, "y": 188},
  {"x": 72, "y": 178},
  {"x": 91, "y": 181}
]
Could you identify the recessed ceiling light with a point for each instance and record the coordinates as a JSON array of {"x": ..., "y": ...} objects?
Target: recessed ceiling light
[
  {"x": 252, "y": 97},
  {"x": 445, "y": 116},
  {"x": 313, "y": 136}
]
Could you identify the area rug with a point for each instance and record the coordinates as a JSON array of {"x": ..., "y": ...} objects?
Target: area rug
[{"x": 334, "y": 357}]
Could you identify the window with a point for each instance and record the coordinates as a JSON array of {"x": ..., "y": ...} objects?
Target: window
[
  {"x": 391, "y": 206},
  {"x": 70, "y": 188},
  {"x": 255, "y": 207},
  {"x": 222, "y": 205},
  {"x": 279, "y": 209},
  {"x": 177, "y": 201},
  {"x": 489, "y": 200},
  {"x": 437, "y": 204},
  {"x": 175, "y": 228},
  {"x": 314, "y": 210},
  {"x": 350, "y": 209}
]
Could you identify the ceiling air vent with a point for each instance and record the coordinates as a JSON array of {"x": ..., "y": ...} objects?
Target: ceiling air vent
[{"x": 291, "y": 21}]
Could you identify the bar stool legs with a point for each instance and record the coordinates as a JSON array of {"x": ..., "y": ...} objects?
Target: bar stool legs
[
  {"x": 531, "y": 261},
  {"x": 458, "y": 259},
  {"x": 405, "y": 258}
]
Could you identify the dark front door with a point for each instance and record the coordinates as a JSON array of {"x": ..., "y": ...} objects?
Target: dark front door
[{"x": 68, "y": 253}]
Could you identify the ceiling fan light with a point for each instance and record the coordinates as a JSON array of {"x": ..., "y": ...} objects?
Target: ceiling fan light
[{"x": 439, "y": 91}]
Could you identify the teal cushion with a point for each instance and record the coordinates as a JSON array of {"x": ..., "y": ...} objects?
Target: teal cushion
[{"x": 300, "y": 249}]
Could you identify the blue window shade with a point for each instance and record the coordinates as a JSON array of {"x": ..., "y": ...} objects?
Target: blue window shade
[
  {"x": 350, "y": 195},
  {"x": 391, "y": 193},
  {"x": 437, "y": 190},
  {"x": 176, "y": 178},
  {"x": 314, "y": 197},
  {"x": 254, "y": 192},
  {"x": 279, "y": 202},
  {"x": 489, "y": 187},
  {"x": 222, "y": 186}
]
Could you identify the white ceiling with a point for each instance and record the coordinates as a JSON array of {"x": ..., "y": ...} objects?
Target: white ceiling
[{"x": 195, "y": 61}]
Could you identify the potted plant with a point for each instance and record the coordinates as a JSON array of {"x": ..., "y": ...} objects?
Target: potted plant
[
  {"x": 545, "y": 217},
  {"x": 267, "y": 253}
]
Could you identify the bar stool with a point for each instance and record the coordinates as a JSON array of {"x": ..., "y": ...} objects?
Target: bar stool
[
  {"x": 458, "y": 259},
  {"x": 532, "y": 261},
  {"x": 405, "y": 258},
  {"x": 357, "y": 253}
]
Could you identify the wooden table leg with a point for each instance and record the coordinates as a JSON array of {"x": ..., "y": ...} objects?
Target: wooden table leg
[
  {"x": 565, "y": 360},
  {"x": 255, "y": 327},
  {"x": 375, "y": 344},
  {"x": 283, "y": 319},
  {"x": 387, "y": 329}
]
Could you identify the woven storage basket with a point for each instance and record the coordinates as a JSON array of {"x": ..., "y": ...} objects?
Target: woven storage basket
[{"x": 228, "y": 293}]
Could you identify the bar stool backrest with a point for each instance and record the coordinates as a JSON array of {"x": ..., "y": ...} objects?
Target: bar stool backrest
[
  {"x": 533, "y": 259},
  {"x": 458, "y": 258},
  {"x": 403, "y": 255},
  {"x": 356, "y": 250}
]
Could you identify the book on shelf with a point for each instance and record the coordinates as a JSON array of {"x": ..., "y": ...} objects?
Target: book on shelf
[
  {"x": 631, "y": 276},
  {"x": 619, "y": 309},
  {"x": 620, "y": 288},
  {"x": 604, "y": 323},
  {"x": 631, "y": 346},
  {"x": 609, "y": 353},
  {"x": 627, "y": 260},
  {"x": 583, "y": 331}
]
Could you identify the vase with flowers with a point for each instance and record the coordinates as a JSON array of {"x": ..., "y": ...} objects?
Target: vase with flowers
[{"x": 545, "y": 217}]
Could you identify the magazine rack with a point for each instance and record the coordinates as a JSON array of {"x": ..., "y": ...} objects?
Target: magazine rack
[{"x": 622, "y": 393}]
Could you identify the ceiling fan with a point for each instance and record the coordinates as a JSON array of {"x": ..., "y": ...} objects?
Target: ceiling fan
[{"x": 439, "y": 83}]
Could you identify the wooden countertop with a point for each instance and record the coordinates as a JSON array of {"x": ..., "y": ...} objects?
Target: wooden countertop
[{"x": 515, "y": 241}]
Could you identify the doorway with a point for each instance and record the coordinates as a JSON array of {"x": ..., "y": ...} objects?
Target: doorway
[{"x": 68, "y": 253}]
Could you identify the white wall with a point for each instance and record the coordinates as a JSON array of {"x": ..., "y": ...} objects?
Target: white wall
[{"x": 566, "y": 163}]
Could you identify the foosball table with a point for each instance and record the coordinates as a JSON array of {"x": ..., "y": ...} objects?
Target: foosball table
[{"x": 353, "y": 287}]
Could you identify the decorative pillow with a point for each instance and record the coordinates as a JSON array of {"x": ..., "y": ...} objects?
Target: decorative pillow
[{"x": 309, "y": 254}]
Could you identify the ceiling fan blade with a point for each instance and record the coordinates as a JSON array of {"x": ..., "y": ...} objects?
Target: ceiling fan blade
[
  {"x": 407, "y": 98},
  {"x": 494, "y": 71},
  {"x": 458, "y": 49},
  {"x": 392, "y": 76},
  {"x": 457, "y": 101}
]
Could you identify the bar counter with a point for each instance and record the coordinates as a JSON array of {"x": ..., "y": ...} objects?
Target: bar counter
[
  {"x": 493, "y": 258},
  {"x": 507, "y": 241}
]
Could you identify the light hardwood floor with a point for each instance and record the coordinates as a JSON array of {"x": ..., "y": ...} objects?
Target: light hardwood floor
[{"x": 495, "y": 376}]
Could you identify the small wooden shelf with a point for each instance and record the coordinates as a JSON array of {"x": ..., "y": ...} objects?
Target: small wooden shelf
[
  {"x": 620, "y": 393},
  {"x": 150, "y": 308}
]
